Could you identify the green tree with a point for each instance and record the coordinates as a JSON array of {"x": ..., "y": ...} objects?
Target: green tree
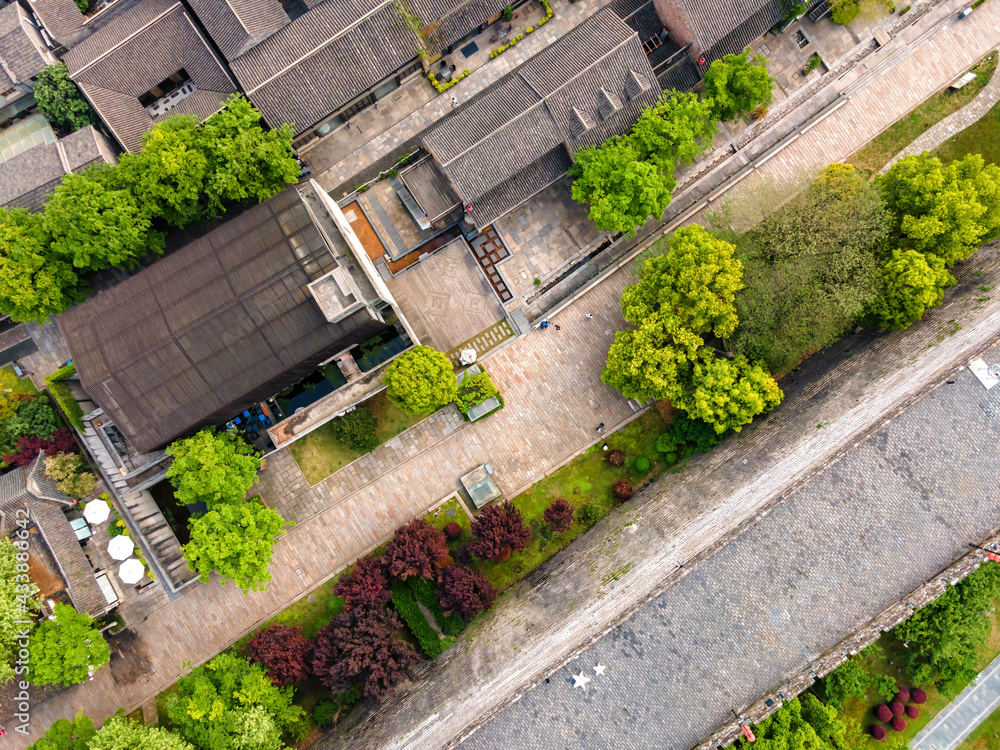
[
  {"x": 121, "y": 733},
  {"x": 231, "y": 704},
  {"x": 237, "y": 542},
  {"x": 420, "y": 381},
  {"x": 736, "y": 84},
  {"x": 651, "y": 360},
  {"x": 246, "y": 163},
  {"x": 848, "y": 680},
  {"x": 36, "y": 417},
  {"x": 33, "y": 285},
  {"x": 169, "y": 175},
  {"x": 677, "y": 128},
  {"x": 67, "y": 735},
  {"x": 944, "y": 211},
  {"x": 94, "y": 227},
  {"x": 845, "y": 12},
  {"x": 728, "y": 393},
  {"x": 696, "y": 278},
  {"x": 623, "y": 192},
  {"x": 16, "y": 604},
  {"x": 212, "y": 467},
  {"x": 66, "y": 649},
  {"x": 914, "y": 283},
  {"x": 801, "y": 723},
  {"x": 61, "y": 101}
]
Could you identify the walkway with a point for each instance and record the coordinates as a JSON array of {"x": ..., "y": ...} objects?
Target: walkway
[
  {"x": 954, "y": 123},
  {"x": 972, "y": 707}
]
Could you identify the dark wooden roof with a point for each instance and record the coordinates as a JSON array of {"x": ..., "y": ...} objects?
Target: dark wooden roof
[
  {"x": 20, "y": 59},
  {"x": 534, "y": 115},
  {"x": 137, "y": 50},
  {"x": 215, "y": 326},
  {"x": 237, "y": 25}
]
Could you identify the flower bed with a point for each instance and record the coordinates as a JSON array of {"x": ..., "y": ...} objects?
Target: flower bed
[
  {"x": 545, "y": 19},
  {"x": 442, "y": 87}
]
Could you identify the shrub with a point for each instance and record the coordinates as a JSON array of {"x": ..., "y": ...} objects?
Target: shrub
[
  {"x": 62, "y": 395},
  {"x": 366, "y": 585},
  {"x": 452, "y": 530},
  {"x": 670, "y": 458},
  {"x": 559, "y": 516},
  {"x": 325, "y": 712},
  {"x": 918, "y": 696},
  {"x": 912, "y": 711},
  {"x": 424, "y": 591},
  {"x": 898, "y": 724},
  {"x": 464, "y": 591},
  {"x": 430, "y": 642},
  {"x": 902, "y": 696},
  {"x": 499, "y": 530},
  {"x": 282, "y": 650},
  {"x": 878, "y": 732},
  {"x": 897, "y": 708},
  {"x": 665, "y": 443},
  {"x": 420, "y": 381},
  {"x": 622, "y": 490},
  {"x": 591, "y": 513},
  {"x": 507, "y": 13},
  {"x": 616, "y": 458},
  {"x": 884, "y": 713},
  {"x": 62, "y": 465},
  {"x": 34, "y": 418},
  {"x": 642, "y": 464},
  {"x": 30, "y": 446},
  {"x": 845, "y": 12},
  {"x": 474, "y": 390},
  {"x": 417, "y": 549},
  {"x": 78, "y": 486},
  {"x": 356, "y": 429}
]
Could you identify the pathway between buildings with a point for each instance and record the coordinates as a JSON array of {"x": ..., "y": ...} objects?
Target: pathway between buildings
[{"x": 972, "y": 707}]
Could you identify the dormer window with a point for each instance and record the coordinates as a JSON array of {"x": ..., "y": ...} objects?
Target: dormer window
[{"x": 164, "y": 88}]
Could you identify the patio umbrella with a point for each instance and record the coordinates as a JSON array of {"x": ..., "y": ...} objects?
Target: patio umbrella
[
  {"x": 96, "y": 511},
  {"x": 120, "y": 548},
  {"x": 131, "y": 571}
]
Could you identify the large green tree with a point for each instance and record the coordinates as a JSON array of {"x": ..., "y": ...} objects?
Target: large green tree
[
  {"x": 212, "y": 467},
  {"x": 94, "y": 227},
  {"x": 66, "y": 649},
  {"x": 67, "y": 735},
  {"x": 121, "y": 733},
  {"x": 677, "y": 128},
  {"x": 16, "y": 603},
  {"x": 247, "y": 164},
  {"x": 623, "y": 191},
  {"x": 802, "y": 723},
  {"x": 728, "y": 393},
  {"x": 944, "y": 211},
  {"x": 33, "y": 285},
  {"x": 849, "y": 680},
  {"x": 61, "y": 101},
  {"x": 736, "y": 84},
  {"x": 231, "y": 704},
  {"x": 237, "y": 542},
  {"x": 420, "y": 381},
  {"x": 914, "y": 283}
]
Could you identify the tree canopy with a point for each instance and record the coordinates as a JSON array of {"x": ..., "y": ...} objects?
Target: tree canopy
[
  {"x": 944, "y": 211},
  {"x": 420, "y": 381},
  {"x": 623, "y": 191},
  {"x": 121, "y": 733},
  {"x": 676, "y": 129},
  {"x": 237, "y": 542},
  {"x": 914, "y": 283},
  {"x": 67, "y": 735},
  {"x": 728, "y": 393},
  {"x": 212, "y": 467},
  {"x": 61, "y": 101},
  {"x": 802, "y": 722},
  {"x": 736, "y": 84},
  {"x": 15, "y": 605},
  {"x": 66, "y": 649}
]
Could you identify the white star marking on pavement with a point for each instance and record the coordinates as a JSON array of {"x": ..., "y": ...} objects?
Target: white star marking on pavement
[
  {"x": 599, "y": 669},
  {"x": 580, "y": 681}
]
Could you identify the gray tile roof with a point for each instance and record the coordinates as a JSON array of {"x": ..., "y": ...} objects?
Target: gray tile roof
[
  {"x": 448, "y": 21},
  {"x": 26, "y": 179},
  {"x": 61, "y": 18},
  {"x": 237, "y": 25},
  {"x": 20, "y": 59},
  {"x": 530, "y": 114},
  {"x": 144, "y": 45},
  {"x": 722, "y": 27}
]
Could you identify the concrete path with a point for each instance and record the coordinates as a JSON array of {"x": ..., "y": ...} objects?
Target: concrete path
[
  {"x": 954, "y": 123},
  {"x": 957, "y": 721}
]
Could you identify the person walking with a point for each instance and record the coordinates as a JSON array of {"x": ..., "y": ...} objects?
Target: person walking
[
  {"x": 600, "y": 428},
  {"x": 588, "y": 316},
  {"x": 454, "y": 102}
]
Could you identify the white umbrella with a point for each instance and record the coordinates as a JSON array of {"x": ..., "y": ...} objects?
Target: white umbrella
[
  {"x": 120, "y": 548},
  {"x": 131, "y": 571},
  {"x": 96, "y": 511}
]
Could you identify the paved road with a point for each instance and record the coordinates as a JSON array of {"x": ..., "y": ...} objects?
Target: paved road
[{"x": 957, "y": 721}]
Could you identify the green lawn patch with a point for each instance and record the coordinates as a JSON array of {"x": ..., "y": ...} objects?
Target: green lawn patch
[
  {"x": 877, "y": 153},
  {"x": 20, "y": 385},
  {"x": 439, "y": 518},
  {"x": 319, "y": 454},
  {"x": 982, "y": 137}
]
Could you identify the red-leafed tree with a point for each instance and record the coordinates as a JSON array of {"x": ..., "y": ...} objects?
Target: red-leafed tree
[
  {"x": 616, "y": 458},
  {"x": 878, "y": 732},
  {"x": 283, "y": 651},
  {"x": 452, "y": 530},
  {"x": 917, "y": 695},
  {"x": 897, "y": 708},
  {"x": 499, "y": 530},
  {"x": 559, "y": 516},
  {"x": 903, "y": 696},
  {"x": 622, "y": 490},
  {"x": 366, "y": 586},
  {"x": 884, "y": 713},
  {"x": 362, "y": 644},
  {"x": 418, "y": 549},
  {"x": 464, "y": 591},
  {"x": 29, "y": 446},
  {"x": 898, "y": 724},
  {"x": 912, "y": 711}
]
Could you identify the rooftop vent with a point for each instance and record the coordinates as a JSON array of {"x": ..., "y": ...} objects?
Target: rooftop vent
[
  {"x": 609, "y": 104},
  {"x": 334, "y": 295},
  {"x": 580, "y": 123},
  {"x": 635, "y": 85}
]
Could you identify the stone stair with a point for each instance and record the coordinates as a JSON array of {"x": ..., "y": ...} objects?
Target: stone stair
[
  {"x": 159, "y": 537},
  {"x": 518, "y": 322},
  {"x": 109, "y": 469}
]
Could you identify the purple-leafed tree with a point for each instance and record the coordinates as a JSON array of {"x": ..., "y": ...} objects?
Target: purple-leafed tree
[
  {"x": 366, "y": 586},
  {"x": 499, "y": 530},
  {"x": 559, "y": 516},
  {"x": 283, "y": 651},
  {"x": 464, "y": 591},
  {"x": 418, "y": 549}
]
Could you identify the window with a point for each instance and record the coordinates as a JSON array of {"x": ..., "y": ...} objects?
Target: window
[{"x": 164, "y": 87}]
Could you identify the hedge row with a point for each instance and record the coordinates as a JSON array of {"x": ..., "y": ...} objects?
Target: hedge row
[
  {"x": 63, "y": 397},
  {"x": 424, "y": 592},
  {"x": 430, "y": 642}
]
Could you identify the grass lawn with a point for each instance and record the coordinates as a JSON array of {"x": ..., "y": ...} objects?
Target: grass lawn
[
  {"x": 588, "y": 478},
  {"x": 440, "y": 518},
  {"x": 981, "y": 137},
  {"x": 319, "y": 454},
  {"x": 21, "y": 385},
  {"x": 877, "y": 153}
]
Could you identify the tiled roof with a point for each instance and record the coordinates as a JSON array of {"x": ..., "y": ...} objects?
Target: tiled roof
[
  {"x": 722, "y": 27},
  {"x": 237, "y": 25},
  {"x": 26, "y": 179},
  {"x": 69, "y": 556},
  {"x": 145, "y": 45},
  {"x": 511, "y": 193},
  {"x": 584, "y": 78},
  {"x": 211, "y": 328},
  {"x": 61, "y": 18},
  {"x": 20, "y": 59},
  {"x": 448, "y": 21}
]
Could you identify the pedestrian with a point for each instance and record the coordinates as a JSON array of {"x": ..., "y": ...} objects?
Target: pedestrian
[
  {"x": 558, "y": 328},
  {"x": 454, "y": 102},
  {"x": 544, "y": 325},
  {"x": 600, "y": 428},
  {"x": 588, "y": 316}
]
